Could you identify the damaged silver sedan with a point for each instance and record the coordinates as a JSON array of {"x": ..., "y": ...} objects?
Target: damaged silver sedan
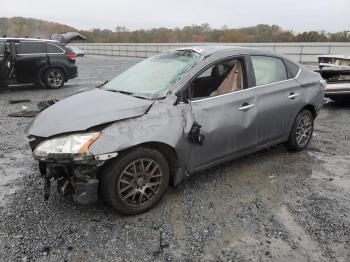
[{"x": 170, "y": 116}]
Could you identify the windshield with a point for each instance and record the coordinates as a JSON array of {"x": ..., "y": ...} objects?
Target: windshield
[{"x": 153, "y": 77}]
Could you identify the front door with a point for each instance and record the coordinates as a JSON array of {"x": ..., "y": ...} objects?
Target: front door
[
  {"x": 228, "y": 124},
  {"x": 227, "y": 115},
  {"x": 30, "y": 58}
]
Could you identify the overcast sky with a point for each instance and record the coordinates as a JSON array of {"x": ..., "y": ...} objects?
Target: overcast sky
[{"x": 296, "y": 15}]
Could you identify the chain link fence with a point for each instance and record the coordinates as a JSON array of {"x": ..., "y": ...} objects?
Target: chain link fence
[{"x": 305, "y": 53}]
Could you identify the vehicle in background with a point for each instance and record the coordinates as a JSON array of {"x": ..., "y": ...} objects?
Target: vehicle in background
[
  {"x": 170, "y": 116},
  {"x": 334, "y": 61},
  {"x": 68, "y": 37},
  {"x": 41, "y": 62},
  {"x": 335, "y": 69},
  {"x": 76, "y": 50}
]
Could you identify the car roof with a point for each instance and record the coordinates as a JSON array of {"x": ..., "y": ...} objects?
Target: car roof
[
  {"x": 208, "y": 50},
  {"x": 28, "y": 39}
]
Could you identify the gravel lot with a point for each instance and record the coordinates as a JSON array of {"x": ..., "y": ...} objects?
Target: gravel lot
[{"x": 269, "y": 206}]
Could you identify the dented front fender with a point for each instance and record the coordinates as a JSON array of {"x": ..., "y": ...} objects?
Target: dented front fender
[{"x": 164, "y": 123}]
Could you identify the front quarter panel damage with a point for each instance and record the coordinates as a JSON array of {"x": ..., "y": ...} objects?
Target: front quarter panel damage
[{"x": 164, "y": 123}]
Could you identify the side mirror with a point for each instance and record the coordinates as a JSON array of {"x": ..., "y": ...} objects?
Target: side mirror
[{"x": 184, "y": 95}]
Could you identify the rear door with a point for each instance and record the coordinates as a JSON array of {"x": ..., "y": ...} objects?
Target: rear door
[
  {"x": 278, "y": 99},
  {"x": 54, "y": 53},
  {"x": 30, "y": 58}
]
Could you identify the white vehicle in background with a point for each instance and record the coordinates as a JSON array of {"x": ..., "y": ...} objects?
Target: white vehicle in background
[
  {"x": 334, "y": 61},
  {"x": 77, "y": 51},
  {"x": 69, "y": 37},
  {"x": 335, "y": 69}
]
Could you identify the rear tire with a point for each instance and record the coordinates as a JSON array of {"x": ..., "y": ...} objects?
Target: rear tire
[
  {"x": 134, "y": 182},
  {"x": 54, "y": 78},
  {"x": 302, "y": 130}
]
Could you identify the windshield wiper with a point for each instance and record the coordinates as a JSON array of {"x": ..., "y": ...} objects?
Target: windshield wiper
[
  {"x": 127, "y": 93},
  {"x": 101, "y": 85},
  {"x": 119, "y": 91}
]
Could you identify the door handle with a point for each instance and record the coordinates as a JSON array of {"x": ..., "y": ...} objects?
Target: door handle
[
  {"x": 246, "y": 107},
  {"x": 293, "y": 96}
]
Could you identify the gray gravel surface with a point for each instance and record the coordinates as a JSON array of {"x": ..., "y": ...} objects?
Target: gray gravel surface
[{"x": 269, "y": 206}]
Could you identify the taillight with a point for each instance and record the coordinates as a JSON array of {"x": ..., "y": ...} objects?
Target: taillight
[{"x": 72, "y": 56}]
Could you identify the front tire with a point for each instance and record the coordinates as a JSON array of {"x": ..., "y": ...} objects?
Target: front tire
[
  {"x": 302, "y": 130},
  {"x": 134, "y": 182},
  {"x": 54, "y": 78}
]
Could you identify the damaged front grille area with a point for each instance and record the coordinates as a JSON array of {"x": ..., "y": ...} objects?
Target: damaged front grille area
[
  {"x": 77, "y": 181},
  {"x": 74, "y": 174}
]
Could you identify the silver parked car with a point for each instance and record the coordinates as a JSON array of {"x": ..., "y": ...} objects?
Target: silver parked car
[
  {"x": 76, "y": 50},
  {"x": 169, "y": 116}
]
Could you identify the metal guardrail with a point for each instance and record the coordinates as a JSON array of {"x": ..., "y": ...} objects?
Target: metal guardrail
[{"x": 305, "y": 53}]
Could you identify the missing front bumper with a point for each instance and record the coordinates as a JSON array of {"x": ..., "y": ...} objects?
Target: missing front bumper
[
  {"x": 85, "y": 191},
  {"x": 77, "y": 181}
]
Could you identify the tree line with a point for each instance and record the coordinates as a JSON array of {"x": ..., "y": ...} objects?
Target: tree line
[
  {"x": 30, "y": 27},
  {"x": 19, "y": 26}
]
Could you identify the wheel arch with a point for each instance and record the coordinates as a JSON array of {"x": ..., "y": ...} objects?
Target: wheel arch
[
  {"x": 310, "y": 108},
  {"x": 45, "y": 69},
  {"x": 166, "y": 150}
]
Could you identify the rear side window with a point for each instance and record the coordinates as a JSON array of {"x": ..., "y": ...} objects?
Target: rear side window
[
  {"x": 268, "y": 70},
  {"x": 293, "y": 68},
  {"x": 32, "y": 47},
  {"x": 53, "y": 49}
]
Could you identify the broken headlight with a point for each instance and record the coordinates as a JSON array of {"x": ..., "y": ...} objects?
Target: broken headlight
[{"x": 71, "y": 144}]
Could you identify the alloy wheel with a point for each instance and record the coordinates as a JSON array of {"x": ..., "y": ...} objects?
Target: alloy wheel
[
  {"x": 55, "y": 79},
  {"x": 140, "y": 182},
  {"x": 304, "y": 130}
]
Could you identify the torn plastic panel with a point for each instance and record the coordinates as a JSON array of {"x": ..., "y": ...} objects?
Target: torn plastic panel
[
  {"x": 76, "y": 180},
  {"x": 195, "y": 134},
  {"x": 76, "y": 175}
]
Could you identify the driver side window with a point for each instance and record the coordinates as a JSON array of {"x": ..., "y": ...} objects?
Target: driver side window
[{"x": 221, "y": 78}]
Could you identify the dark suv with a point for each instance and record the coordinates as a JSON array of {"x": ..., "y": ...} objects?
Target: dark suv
[{"x": 42, "y": 62}]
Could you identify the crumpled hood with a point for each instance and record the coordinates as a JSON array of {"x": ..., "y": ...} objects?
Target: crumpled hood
[{"x": 84, "y": 110}]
